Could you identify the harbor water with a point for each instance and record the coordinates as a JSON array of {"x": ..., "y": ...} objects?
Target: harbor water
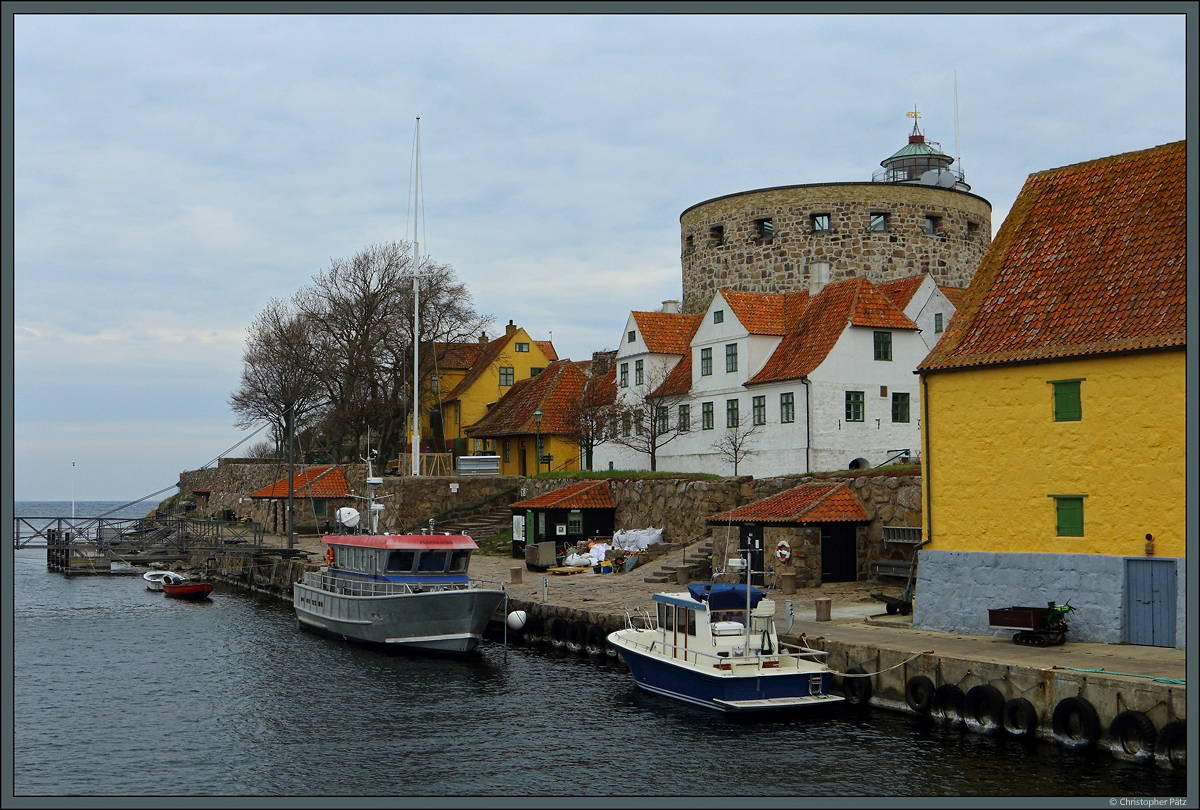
[{"x": 121, "y": 692}]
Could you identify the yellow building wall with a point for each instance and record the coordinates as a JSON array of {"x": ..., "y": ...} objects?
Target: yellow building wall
[{"x": 992, "y": 453}]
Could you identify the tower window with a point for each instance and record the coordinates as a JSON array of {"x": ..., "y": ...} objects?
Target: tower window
[
  {"x": 820, "y": 223},
  {"x": 717, "y": 234},
  {"x": 878, "y": 223},
  {"x": 932, "y": 224},
  {"x": 764, "y": 229}
]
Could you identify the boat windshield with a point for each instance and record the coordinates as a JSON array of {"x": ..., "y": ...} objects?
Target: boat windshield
[
  {"x": 400, "y": 561},
  {"x": 432, "y": 561},
  {"x": 458, "y": 560}
]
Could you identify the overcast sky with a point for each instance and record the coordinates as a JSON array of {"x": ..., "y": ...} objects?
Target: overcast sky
[{"x": 174, "y": 173}]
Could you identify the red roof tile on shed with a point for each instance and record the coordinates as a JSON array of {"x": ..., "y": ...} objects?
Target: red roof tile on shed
[
  {"x": 326, "y": 481},
  {"x": 807, "y": 503},
  {"x": 580, "y": 495},
  {"x": 1091, "y": 259}
]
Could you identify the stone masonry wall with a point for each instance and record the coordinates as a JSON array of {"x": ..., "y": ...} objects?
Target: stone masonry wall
[{"x": 782, "y": 263}]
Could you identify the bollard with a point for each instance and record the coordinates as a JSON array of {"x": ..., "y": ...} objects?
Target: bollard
[
  {"x": 787, "y": 582},
  {"x": 683, "y": 573},
  {"x": 824, "y": 605},
  {"x": 515, "y": 575}
]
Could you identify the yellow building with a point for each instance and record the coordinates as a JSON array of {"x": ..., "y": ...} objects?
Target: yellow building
[
  {"x": 469, "y": 378},
  {"x": 1054, "y": 424}
]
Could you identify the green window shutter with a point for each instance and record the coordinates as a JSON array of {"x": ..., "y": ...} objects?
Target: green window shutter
[
  {"x": 1067, "y": 406},
  {"x": 1068, "y": 515}
]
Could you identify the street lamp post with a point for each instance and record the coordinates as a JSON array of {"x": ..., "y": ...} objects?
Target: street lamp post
[{"x": 537, "y": 447}]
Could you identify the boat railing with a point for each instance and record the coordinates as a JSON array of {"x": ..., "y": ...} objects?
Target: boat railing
[
  {"x": 781, "y": 659},
  {"x": 642, "y": 620},
  {"x": 332, "y": 583}
]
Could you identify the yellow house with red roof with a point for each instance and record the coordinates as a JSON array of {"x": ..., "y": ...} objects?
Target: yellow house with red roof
[
  {"x": 469, "y": 378},
  {"x": 1054, "y": 416}
]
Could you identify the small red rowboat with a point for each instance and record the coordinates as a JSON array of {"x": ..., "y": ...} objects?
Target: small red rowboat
[{"x": 181, "y": 588}]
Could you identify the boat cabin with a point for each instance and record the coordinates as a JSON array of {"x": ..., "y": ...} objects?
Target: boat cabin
[
  {"x": 426, "y": 558},
  {"x": 712, "y": 620}
]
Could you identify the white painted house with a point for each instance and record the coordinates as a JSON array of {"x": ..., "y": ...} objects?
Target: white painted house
[{"x": 811, "y": 381}]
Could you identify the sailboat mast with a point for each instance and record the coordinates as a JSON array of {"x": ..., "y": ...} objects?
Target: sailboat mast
[{"x": 416, "y": 396}]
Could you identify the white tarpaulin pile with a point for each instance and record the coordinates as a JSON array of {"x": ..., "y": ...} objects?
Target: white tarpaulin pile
[{"x": 636, "y": 539}]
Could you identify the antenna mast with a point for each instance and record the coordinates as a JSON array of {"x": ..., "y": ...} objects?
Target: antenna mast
[
  {"x": 957, "y": 151},
  {"x": 416, "y": 391}
]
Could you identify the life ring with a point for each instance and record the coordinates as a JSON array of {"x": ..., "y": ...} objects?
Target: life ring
[
  {"x": 948, "y": 704},
  {"x": 1131, "y": 736},
  {"x": 783, "y": 552},
  {"x": 1171, "y": 749},
  {"x": 918, "y": 693},
  {"x": 1075, "y": 723},
  {"x": 856, "y": 687},
  {"x": 983, "y": 708},
  {"x": 329, "y": 555},
  {"x": 1020, "y": 717}
]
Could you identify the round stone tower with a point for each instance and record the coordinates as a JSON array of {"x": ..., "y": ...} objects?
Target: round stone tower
[{"x": 916, "y": 215}]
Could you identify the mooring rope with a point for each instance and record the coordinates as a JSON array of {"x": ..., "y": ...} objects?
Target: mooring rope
[
  {"x": 1103, "y": 671},
  {"x": 897, "y": 666}
]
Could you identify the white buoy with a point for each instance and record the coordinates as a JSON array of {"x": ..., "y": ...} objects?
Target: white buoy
[{"x": 516, "y": 620}]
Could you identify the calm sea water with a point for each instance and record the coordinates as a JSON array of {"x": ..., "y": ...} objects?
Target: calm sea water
[{"x": 120, "y": 692}]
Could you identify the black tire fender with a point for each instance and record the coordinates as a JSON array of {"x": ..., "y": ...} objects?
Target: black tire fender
[
  {"x": 1171, "y": 748},
  {"x": 576, "y": 635},
  {"x": 597, "y": 639},
  {"x": 918, "y": 693},
  {"x": 1132, "y": 736},
  {"x": 1020, "y": 717},
  {"x": 948, "y": 704},
  {"x": 558, "y": 632},
  {"x": 1075, "y": 723},
  {"x": 857, "y": 688},
  {"x": 983, "y": 709}
]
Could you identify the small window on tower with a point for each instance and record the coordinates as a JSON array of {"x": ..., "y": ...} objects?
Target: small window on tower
[
  {"x": 764, "y": 229},
  {"x": 820, "y": 223},
  {"x": 717, "y": 234},
  {"x": 878, "y": 223}
]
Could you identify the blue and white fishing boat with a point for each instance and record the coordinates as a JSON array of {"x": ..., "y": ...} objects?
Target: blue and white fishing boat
[{"x": 716, "y": 646}]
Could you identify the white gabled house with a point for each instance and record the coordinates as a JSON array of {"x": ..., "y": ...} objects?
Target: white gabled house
[
  {"x": 815, "y": 380},
  {"x": 925, "y": 303}
]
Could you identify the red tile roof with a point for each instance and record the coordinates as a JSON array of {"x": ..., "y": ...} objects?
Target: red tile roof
[
  {"x": 807, "y": 503},
  {"x": 678, "y": 380},
  {"x": 556, "y": 392},
  {"x": 955, "y": 295},
  {"x": 580, "y": 495},
  {"x": 487, "y": 354},
  {"x": 853, "y": 302},
  {"x": 324, "y": 481},
  {"x": 901, "y": 290},
  {"x": 456, "y": 356},
  {"x": 1090, "y": 260},
  {"x": 666, "y": 332},
  {"x": 766, "y": 313}
]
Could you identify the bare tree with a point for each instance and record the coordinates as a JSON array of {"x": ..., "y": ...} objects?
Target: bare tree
[
  {"x": 589, "y": 416},
  {"x": 641, "y": 419},
  {"x": 735, "y": 444},
  {"x": 277, "y": 372}
]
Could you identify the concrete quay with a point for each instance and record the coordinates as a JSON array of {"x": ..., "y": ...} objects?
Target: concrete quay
[{"x": 1130, "y": 700}]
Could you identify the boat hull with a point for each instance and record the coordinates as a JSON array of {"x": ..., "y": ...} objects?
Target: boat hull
[
  {"x": 445, "y": 621},
  {"x": 189, "y": 590},
  {"x": 724, "y": 690}
]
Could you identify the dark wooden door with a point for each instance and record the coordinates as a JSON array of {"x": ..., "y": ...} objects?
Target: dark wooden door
[{"x": 839, "y": 563}]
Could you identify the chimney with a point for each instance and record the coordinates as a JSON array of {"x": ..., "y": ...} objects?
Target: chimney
[
  {"x": 483, "y": 337},
  {"x": 508, "y": 330},
  {"x": 670, "y": 307},
  {"x": 818, "y": 277}
]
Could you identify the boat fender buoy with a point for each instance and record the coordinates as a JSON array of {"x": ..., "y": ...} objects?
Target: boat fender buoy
[
  {"x": 1131, "y": 736},
  {"x": 329, "y": 555},
  {"x": 516, "y": 620},
  {"x": 948, "y": 704},
  {"x": 783, "y": 552},
  {"x": 1075, "y": 723},
  {"x": 918, "y": 693},
  {"x": 857, "y": 687},
  {"x": 1171, "y": 748},
  {"x": 1020, "y": 717},
  {"x": 983, "y": 708}
]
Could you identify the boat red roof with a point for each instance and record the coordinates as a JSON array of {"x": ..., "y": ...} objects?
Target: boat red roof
[{"x": 416, "y": 542}]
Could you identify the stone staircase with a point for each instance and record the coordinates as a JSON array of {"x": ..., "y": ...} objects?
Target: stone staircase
[
  {"x": 479, "y": 524},
  {"x": 697, "y": 556}
]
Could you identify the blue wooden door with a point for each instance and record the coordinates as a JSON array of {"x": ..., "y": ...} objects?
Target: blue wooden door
[{"x": 1150, "y": 602}]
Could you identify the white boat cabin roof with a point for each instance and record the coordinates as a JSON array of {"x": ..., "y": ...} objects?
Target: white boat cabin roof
[{"x": 413, "y": 542}]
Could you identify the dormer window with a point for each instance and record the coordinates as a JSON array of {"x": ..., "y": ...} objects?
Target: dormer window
[
  {"x": 717, "y": 234},
  {"x": 719, "y": 316},
  {"x": 632, "y": 336},
  {"x": 937, "y": 322},
  {"x": 820, "y": 223}
]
